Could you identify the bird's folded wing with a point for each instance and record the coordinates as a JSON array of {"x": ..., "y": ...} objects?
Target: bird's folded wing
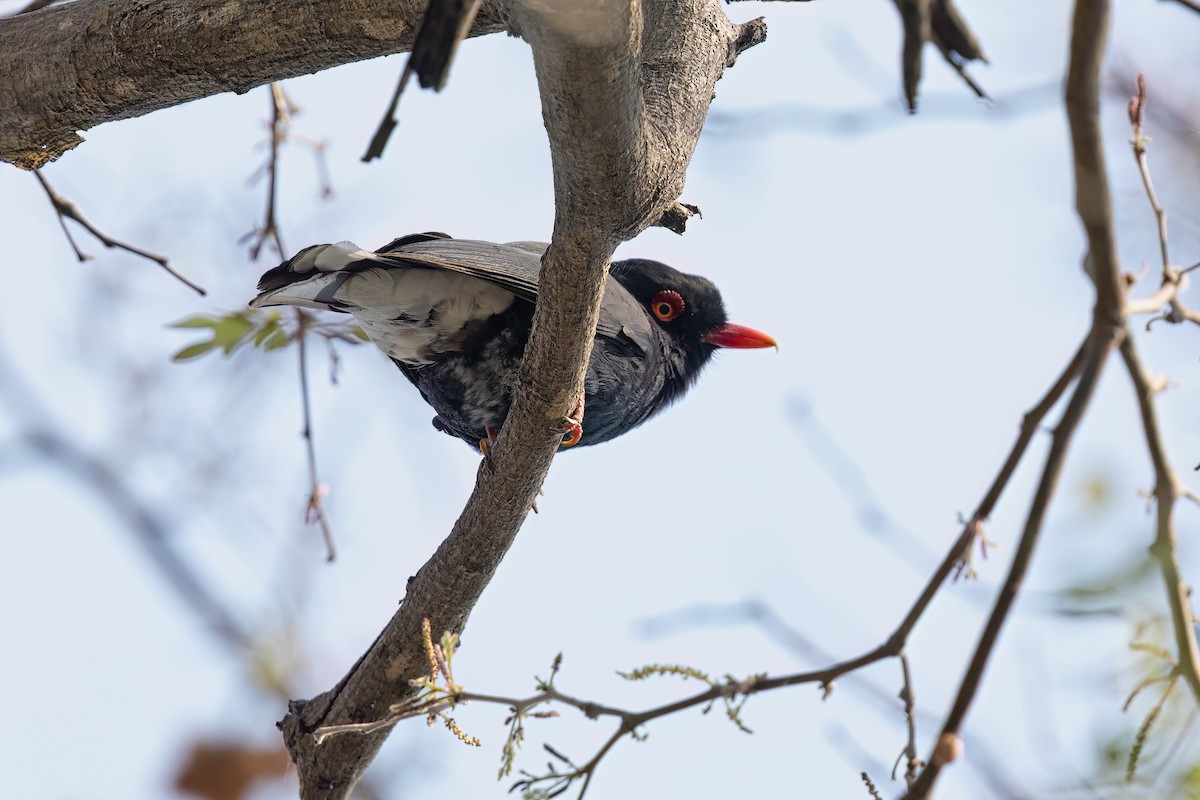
[{"x": 514, "y": 267}]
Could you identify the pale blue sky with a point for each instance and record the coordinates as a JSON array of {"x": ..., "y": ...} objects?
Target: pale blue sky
[{"x": 921, "y": 274}]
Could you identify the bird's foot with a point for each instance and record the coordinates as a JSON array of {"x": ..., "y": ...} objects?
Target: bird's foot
[
  {"x": 573, "y": 425},
  {"x": 486, "y": 444},
  {"x": 533, "y": 505}
]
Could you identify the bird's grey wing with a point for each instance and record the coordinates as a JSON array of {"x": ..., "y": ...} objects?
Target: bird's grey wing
[
  {"x": 423, "y": 297},
  {"x": 516, "y": 266},
  {"x": 513, "y": 266}
]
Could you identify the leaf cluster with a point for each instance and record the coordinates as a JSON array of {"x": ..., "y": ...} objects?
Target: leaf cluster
[{"x": 264, "y": 330}]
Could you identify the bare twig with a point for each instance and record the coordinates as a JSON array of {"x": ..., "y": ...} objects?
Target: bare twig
[
  {"x": 1173, "y": 279},
  {"x": 628, "y": 721},
  {"x": 281, "y": 117},
  {"x": 1137, "y": 111},
  {"x": 444, "y": 25},
  {"x": 871, "y": 790},
  {"x": 1167, "y": 490},
  {"x": 991, "y": 767},
  {"x": 66, "y": 209},
  {"x": 317, "y": 490},
  {"x": 913, "y": 763},
  {"x": 282, "y": 110},
  {"x": 389, "y": 122}
]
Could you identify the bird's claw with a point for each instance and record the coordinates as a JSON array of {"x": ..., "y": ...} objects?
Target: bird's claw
[
  {"x": 486, "y": 444},
  {"x": 573, "y": 425},
  {"x": 574, "y": 429}
]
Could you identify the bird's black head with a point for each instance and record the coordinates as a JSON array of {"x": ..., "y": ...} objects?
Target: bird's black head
[{"x": 688, "y": 308}]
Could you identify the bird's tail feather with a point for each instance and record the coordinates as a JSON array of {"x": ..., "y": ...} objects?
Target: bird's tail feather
[{"x": 310, "y": 277}]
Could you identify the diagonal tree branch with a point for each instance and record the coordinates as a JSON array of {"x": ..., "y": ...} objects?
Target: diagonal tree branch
[
  {"x": 625, "y": 89},
  {"x": 66, "y": 209}
]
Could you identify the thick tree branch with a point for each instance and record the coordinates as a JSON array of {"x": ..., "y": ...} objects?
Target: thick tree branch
[
  {"x": 72, "y": 67},
  {"x": 625, "y": 89}
]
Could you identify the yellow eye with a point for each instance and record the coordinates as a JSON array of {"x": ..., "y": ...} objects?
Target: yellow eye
[{"x": 666, "y": 305}]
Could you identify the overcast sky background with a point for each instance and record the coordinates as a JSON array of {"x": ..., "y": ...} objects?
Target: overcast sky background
[{"x": 921, "y": 274}]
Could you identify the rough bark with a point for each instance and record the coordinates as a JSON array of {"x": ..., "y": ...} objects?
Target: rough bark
[
  {"x": 625, "y": 89},
  {"x": 72, "y": 67}
]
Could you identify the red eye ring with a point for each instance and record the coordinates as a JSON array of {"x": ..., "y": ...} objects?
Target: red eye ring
[{"x": 667, "y": 305}]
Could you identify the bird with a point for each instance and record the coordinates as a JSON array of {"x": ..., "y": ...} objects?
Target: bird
[{"x": 455, "y": 314}]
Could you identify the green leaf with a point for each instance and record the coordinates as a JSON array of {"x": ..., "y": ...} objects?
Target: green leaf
[
  {"x": 198, "y": 321},
  {"x": 276, "y": 340},
  {"x": 193, "y": 351},
  {"x": 230, "y": 331},
  {"x": 268, "y": 328}
]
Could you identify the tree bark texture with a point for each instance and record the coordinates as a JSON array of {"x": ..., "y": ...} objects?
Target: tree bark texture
[
  {"x": 625, "y": 90},
  {"x": 72, "y": 67}
]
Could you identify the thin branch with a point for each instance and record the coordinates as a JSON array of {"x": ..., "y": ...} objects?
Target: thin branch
[
  {"x": 282, "y": 110},
  {"x": 444, "y": 25},
  {"x": 66, "y": 209},
  {"x": 1173, "y": 279},
  {"x": 1030, "y": 425},
  {"x": 913, "y": 763},
  {"x": 281, "y": 117},
  {"x": 628, "y": 721},
  {"x": 1137, "y": 112},
  {"x": 1167, "y": 490},
  {"x": 317, "y": 490},
  {"x": 389, "y": 122}
]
